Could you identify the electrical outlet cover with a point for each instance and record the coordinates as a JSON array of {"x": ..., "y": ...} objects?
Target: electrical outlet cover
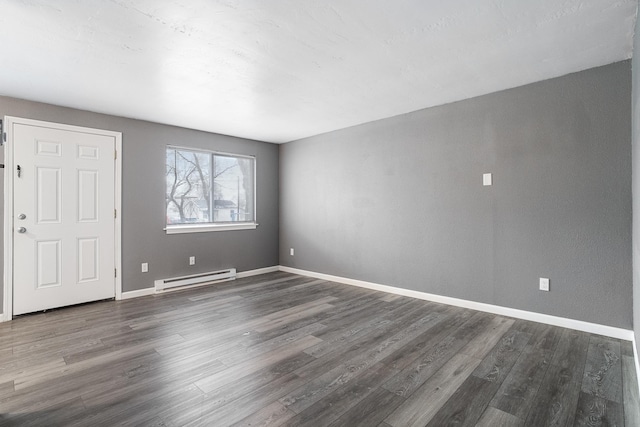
[{"x": 544, "y": 284}]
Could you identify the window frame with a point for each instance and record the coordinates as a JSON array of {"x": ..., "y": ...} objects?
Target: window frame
[{"x": 203, "y": 227}]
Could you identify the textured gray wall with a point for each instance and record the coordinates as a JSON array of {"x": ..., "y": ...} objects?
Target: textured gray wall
[
  {"x": 635, "y": 109},
  {"x": 143, "y": 192},
  {"x": 400, "y": 201}
]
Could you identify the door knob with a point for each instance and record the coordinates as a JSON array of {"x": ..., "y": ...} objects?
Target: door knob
[
  {"x": 22, "y": 216},
  {"x": 22, "y": 230}
]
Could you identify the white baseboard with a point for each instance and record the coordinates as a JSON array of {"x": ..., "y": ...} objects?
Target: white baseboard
[
  {"x": 563, "y": 322},
  {"x": 139, "y": 293},
  {"x": 4, "y": 317},
  {"x": 257, "y": 272},
  {"x": 240, "y": 275}
]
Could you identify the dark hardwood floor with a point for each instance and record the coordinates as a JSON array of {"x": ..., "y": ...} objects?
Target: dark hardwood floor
[{"x": 280, "y": 349}]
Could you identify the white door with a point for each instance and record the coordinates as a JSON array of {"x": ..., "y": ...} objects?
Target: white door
[{"x": 63, "y": 215}]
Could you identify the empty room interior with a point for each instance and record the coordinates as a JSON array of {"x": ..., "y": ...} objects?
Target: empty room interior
[{"x": 320, "y": 213}]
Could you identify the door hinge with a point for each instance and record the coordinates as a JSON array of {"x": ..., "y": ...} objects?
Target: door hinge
[
  {"x": 115, "y": 154},
  {"x": 115, "y": 272},
  {"x": 115, "y": 213},
  {"x": 4, "y": 137}
]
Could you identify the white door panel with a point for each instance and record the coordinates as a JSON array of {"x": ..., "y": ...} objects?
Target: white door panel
[
  {"x": 48, "y": 263},
  {"x": 65, "y": 189}
]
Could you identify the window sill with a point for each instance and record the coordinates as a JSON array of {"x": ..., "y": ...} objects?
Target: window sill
[{"x": 205, "y": 228}]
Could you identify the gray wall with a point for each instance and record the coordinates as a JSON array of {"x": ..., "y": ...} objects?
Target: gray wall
[
  {"x": 400, "y": 201},
  {"x": 635, "y": 108},
  {"x": 143, "y": 192}
]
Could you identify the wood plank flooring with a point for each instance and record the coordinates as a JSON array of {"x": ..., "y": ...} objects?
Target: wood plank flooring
[{"x": 281, "y": 349}]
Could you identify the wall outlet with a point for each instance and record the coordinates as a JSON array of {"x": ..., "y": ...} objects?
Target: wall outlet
[
  {"x": 145, "y": 267},
  {"x": 544, "y": 284},
  {"x": 291, "y": 251},
  {"x": 487, "y": 179},
  {"x": 192, "y": 260}
]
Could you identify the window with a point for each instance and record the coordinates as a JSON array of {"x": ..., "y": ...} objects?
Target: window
[{"x": 209, "y": 191}]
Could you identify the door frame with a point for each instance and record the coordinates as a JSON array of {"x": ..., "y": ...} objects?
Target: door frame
[{"x": 9, "y": 122}]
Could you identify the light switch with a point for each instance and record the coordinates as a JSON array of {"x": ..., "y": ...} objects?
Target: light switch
[{"x": 487, "y": 179}]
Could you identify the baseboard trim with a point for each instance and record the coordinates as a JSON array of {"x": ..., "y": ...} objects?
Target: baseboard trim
[
  {"x": 151, "y": 291},
  {"x": 257, "y": 271},
  {"x": 563, "y": 322},
  {"x": 139, "y": 293}
]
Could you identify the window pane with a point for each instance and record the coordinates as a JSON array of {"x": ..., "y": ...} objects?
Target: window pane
[
  {"x": 205, "y": 187},
  {"x": 233, "y": 189},
  {"x": 188, "y": 179}
]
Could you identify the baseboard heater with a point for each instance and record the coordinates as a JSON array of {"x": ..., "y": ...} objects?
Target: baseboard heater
[{"x": 195, "y": 280}]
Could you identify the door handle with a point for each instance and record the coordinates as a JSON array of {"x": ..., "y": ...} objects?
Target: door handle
[{"x": 22, "y": 230}]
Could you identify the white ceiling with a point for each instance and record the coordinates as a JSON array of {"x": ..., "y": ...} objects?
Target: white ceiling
[{"x": 280, "y": 70}]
